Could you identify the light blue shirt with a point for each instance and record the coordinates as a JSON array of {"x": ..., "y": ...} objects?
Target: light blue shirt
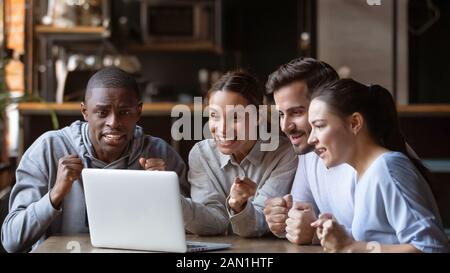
[
  {"x": 394, "y": 205},
  {"x": 328, "y": 190}
]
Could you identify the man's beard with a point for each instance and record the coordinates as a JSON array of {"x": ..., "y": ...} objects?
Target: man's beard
[
  {"x": 304, "y": 150},
  {"x": 301, "y": 148}
]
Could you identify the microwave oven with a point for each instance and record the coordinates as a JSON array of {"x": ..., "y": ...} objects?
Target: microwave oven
[{"x": 179, "y": 21}]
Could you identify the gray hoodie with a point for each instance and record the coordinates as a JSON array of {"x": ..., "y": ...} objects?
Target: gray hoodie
[{"x": 32, "y": 218}]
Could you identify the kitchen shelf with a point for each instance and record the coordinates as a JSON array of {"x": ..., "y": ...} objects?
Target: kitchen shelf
[
  {"x": 424, "y": 109},
  {"x": 41, "y": 29},
  {"x": 176, "y": 47},
  {"x": 154, "y": 108},
  {"x": 167, "y": 106}
]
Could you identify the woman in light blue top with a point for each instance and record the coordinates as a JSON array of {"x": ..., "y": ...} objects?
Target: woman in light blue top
[{"x": 394, "y": 208}]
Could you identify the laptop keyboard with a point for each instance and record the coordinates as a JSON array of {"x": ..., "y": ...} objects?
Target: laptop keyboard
[
  {"x": 205, "y": 246},
  {"x": 195, "y": 246}
]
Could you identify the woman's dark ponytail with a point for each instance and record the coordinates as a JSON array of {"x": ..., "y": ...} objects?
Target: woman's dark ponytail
[
  {"x": 382, "y": 119},
  {"x": 388, "y": 125}
]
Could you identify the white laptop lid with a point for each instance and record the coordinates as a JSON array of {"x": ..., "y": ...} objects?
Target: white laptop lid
[{"x": 132, "y": 209}]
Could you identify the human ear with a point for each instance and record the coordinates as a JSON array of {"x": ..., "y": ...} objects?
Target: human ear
[
  {"x": 84, "y": 111},
  {"x": 356, "y": 122},
  {"x": 139, "y": 110}
]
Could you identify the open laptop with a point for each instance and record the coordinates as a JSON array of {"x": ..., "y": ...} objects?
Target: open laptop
[{"x": 132, "y": 209}]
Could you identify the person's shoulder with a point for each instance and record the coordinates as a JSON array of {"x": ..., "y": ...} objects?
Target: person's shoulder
[
  {"x": 390, "y": 167},
  {"x": 156, "y": 141},
  {"x": 394, "y": 174},
  {"x": 159, "y": 147},
  {"x": 398, "y": 164},
  {"x": 204, "y": 147},
  {"x": 310, "y": 159},
  {"x": 52, "y": 134},
  {"x": 392, "y": 162},
  {"x": 204, "y": 152},
  {"x": 394, "y": 157},
  {"x": 48, "y": 142}
]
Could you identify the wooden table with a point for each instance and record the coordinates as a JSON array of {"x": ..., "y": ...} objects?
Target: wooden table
[{"x": 82, "y": 243}]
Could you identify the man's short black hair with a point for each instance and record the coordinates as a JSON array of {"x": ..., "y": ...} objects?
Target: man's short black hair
[
  {"x": 314, "y": 72},
  {"x": 112, "y": 77}
]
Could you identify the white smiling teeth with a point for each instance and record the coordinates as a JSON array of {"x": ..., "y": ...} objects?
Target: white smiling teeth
[{"x": 112, "y": 137}]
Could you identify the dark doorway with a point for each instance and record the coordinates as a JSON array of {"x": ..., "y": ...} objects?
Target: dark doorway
[{"x": 429, "y": 54}]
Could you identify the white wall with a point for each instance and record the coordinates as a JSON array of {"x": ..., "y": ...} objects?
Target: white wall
[{"x": 355, "y": 35}]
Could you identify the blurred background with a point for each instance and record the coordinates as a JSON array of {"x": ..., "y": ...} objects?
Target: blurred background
[{"x": 177, "y": 48}]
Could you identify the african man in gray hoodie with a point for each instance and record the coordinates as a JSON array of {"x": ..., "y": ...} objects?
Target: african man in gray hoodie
[{"x": 48, "y": 196}]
